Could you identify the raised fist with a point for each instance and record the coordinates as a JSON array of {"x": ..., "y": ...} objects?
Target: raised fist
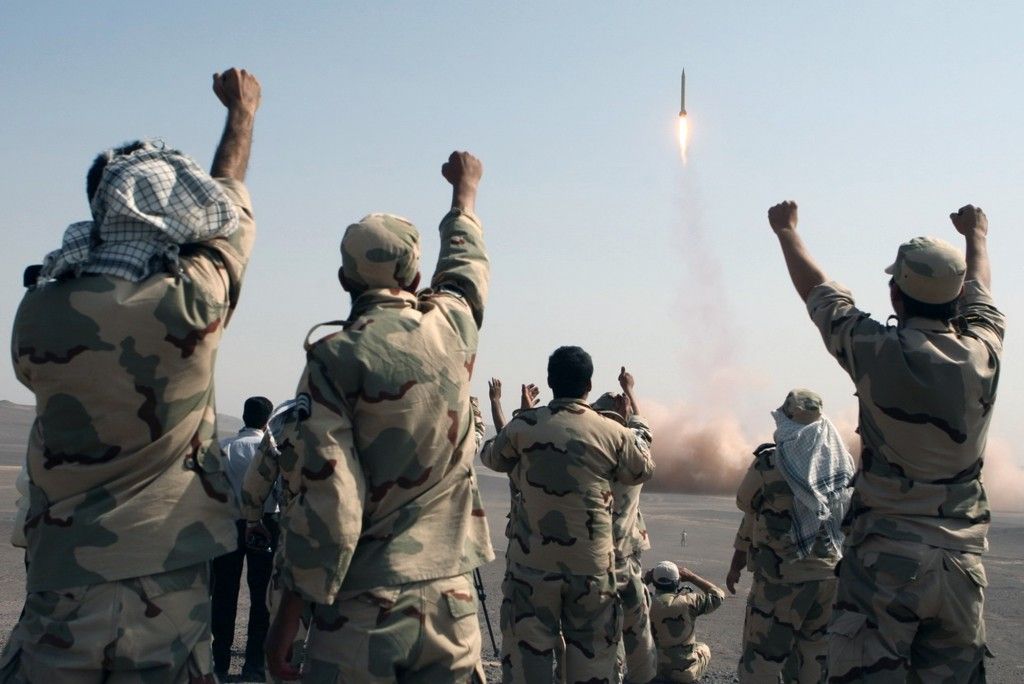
[
  {"x": 783, "y": 216},
  {"x": 237, "y": 89},
  {"x": 462, "y": 168}
]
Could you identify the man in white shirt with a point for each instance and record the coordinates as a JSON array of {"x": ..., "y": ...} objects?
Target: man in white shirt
[{"x": 226, "y": 570}]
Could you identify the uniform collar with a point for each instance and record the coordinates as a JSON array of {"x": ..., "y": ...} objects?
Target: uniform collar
[
  {"x": 382, "y": 298},
  {"x": 919, "y": 323},
  {"x": 561, "y": 403}
]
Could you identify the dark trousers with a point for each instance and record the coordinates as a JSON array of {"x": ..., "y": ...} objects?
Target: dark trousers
[{"x": 225, "y": 578}]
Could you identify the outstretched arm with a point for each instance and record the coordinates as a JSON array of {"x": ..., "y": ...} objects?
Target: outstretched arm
[
  {"x": 239, "y": 91},
  {"x": 497, "y": 413},
  {"x": 971, "y": 222},
  {"x": 803, "y": 270}
]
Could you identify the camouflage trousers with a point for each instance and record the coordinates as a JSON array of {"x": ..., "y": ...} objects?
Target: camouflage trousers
[
  {"x": 424, "y": 632},
  {"x": 784, "y": 631},
  {"x": 539, "y": 608},
  {"x": 153, "y": 629},
  {"x": 637, "y": 655},
  {"x": 685, "y": 663},
  {"x": 908, "y": 612}
]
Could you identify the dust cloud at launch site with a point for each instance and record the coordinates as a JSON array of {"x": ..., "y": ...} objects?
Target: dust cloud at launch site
[{"x": 702, "y": 445}]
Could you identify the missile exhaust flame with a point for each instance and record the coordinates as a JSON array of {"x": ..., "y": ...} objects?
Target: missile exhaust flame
[{"x": 684, "y": 127}]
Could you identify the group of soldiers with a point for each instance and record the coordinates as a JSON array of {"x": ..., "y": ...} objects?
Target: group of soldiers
[{"x": 382, "y": 523}]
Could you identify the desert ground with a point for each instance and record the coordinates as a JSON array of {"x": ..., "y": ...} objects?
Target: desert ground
[{"x": 709, "y": 522}]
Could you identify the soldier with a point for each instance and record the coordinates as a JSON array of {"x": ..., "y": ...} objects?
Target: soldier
[
  {"x": 636, "y": 650},
  {"x": 128, "y": 495},
  {"x": 793, "y": 499},
  {"x": 560, "y": 577},
  {"x": 385, "y": 523},
  {"x": 674, "y": 612},
  {"x": 911, "y": 584}
]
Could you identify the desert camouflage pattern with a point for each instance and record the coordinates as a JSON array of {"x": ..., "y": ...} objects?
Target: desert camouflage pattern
[
  {"x": 929, "y": 269},
  {"x": 260, "y": 481},
  {"x": 637, "y": 657},
  {"x": 926, "y": 390},
  {"x": 424, "y": 632},
  {"x": 562, "y": 459},
  {"x": 674, "y": 613},
  {"x": 908, "y": 612},
  {"x": 381, "y": 251},
  {"x": 150, "y": 629},
  {"x": 540, "y": 608},
  {"x": 126, "y": 473},
  {"x": 377, "y": 460},
  {"x": 784, "y": 631},
  {"x": 766, "y": 531}
]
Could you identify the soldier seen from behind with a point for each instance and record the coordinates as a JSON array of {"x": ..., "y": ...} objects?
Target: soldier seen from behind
[
  {"x": 128, "y": 495},
  {"x": 911, "y": 583},
  {"x": 674, "y": 612},
  {"x": 793, "y": 498},
  {"x": 637, "y": 654},
  {"x": 385, "y": 524},
  {"x": 560, "y": 576}
]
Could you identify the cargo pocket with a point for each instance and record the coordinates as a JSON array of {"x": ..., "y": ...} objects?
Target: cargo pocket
[
  {"x": 846, "y": 636},
  {"x": 890, "y": 570},
  {"x": 461, "y": 608}
]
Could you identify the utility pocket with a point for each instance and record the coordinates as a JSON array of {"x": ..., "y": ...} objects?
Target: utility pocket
[{"x": 891, "y": 570}]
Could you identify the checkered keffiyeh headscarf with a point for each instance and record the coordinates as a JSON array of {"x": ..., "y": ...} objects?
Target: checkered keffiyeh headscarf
[
  {"x": 818, "y": 468},
  {"x": 148, "y": 204}
]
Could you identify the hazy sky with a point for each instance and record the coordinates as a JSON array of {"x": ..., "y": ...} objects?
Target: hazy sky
[{"x": 879, "y": 118}]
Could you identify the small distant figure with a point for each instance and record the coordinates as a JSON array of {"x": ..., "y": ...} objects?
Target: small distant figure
[
  {"x": 682, "y": 538},
  {"x": 674, "y": 612}
]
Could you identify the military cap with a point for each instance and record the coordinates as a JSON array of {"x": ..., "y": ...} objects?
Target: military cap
[
  {"x": 665, "y": 573},
  {"x": 381, "y": 251},
  {"x": 929, "y": 270},
  {"x": 607, "y": 405},
  {"x": 802, "y": 406}
]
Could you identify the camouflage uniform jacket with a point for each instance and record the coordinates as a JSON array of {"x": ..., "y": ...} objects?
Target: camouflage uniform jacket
[
  {"x": 674, "y": 612},
  {"x": 628, "y": 527},
  {"x": 926, "y": 390},
  {"x": 378, "y": 458},
  {"x": 563, "y": 458},
  {"x": 766, "y": 532},
  {"x": 126, "y": 474}
]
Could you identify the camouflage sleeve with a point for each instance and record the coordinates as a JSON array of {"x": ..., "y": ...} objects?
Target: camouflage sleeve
[
  {"x": 462, "y": 265},
  {"x": 323, "y": 519},
  {"x": 260, "y": 477},
  {"x": 229, "y": 254},
  {"x": 702, "y": 604},
  {"x": 635, "y": 464},
  {"x": 980, "y": 312},
  {"x": 499, "y": 453},
  {"x": 832, "y": 309},
  {"x": 478, "y": 422}
]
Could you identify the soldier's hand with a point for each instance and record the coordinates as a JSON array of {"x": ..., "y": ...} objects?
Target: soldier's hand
[
  {"x": 528, "y": 396},
  {"x": 732, "y": 579},
  {"x": 281, "y": 636},
  {"x": 462, "y": 168},
  {"x": 969, "y": 220},
  {"x": 622, "y": 405},
  {"x": 783, "y": 216},
  {"x": 494, "y": 389},
  {"x": 626, "y": 381},
  {"x": 237, "y": 89}
]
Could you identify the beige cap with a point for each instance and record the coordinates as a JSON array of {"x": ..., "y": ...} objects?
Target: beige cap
[
  {"x": 665, "y": 572},
  {"x": 929, "y": 270},
  {"x": 381, "y": 251},
  {"x": 802, "y": 406}
]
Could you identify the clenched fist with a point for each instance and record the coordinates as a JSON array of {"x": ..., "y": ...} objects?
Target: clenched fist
[
  {"x": 970, "y": 219},
  {"x": 462, "y": 168},
  {"x": 783, "y": 216},
  {"x": 237, "y": 89}
]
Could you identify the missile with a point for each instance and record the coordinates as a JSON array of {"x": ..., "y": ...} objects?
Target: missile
[{"x": 682, "y": 95}]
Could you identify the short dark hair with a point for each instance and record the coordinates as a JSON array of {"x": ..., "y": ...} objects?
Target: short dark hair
[
  {"x": 916, "y": 308},
  {"x": 95, "y": 174},
  {"x": 257, "y": 412},
  {"x": 569, "y": 372}
]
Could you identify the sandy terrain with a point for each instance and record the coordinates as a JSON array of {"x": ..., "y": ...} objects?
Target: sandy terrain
[{"x": 710, "y": 523}]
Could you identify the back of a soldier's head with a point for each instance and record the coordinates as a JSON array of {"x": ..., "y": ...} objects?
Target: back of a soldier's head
[
  {"x": 570, "y": 370},
  {"x": 927, "y": 278},
  {"x": 802, "y": 406},
  {"x": 665, "y": 575},
  {"x": 99, "y": 164},
  {"x": 380, "y": 252},
  {"x": 256, "y": 412}
]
